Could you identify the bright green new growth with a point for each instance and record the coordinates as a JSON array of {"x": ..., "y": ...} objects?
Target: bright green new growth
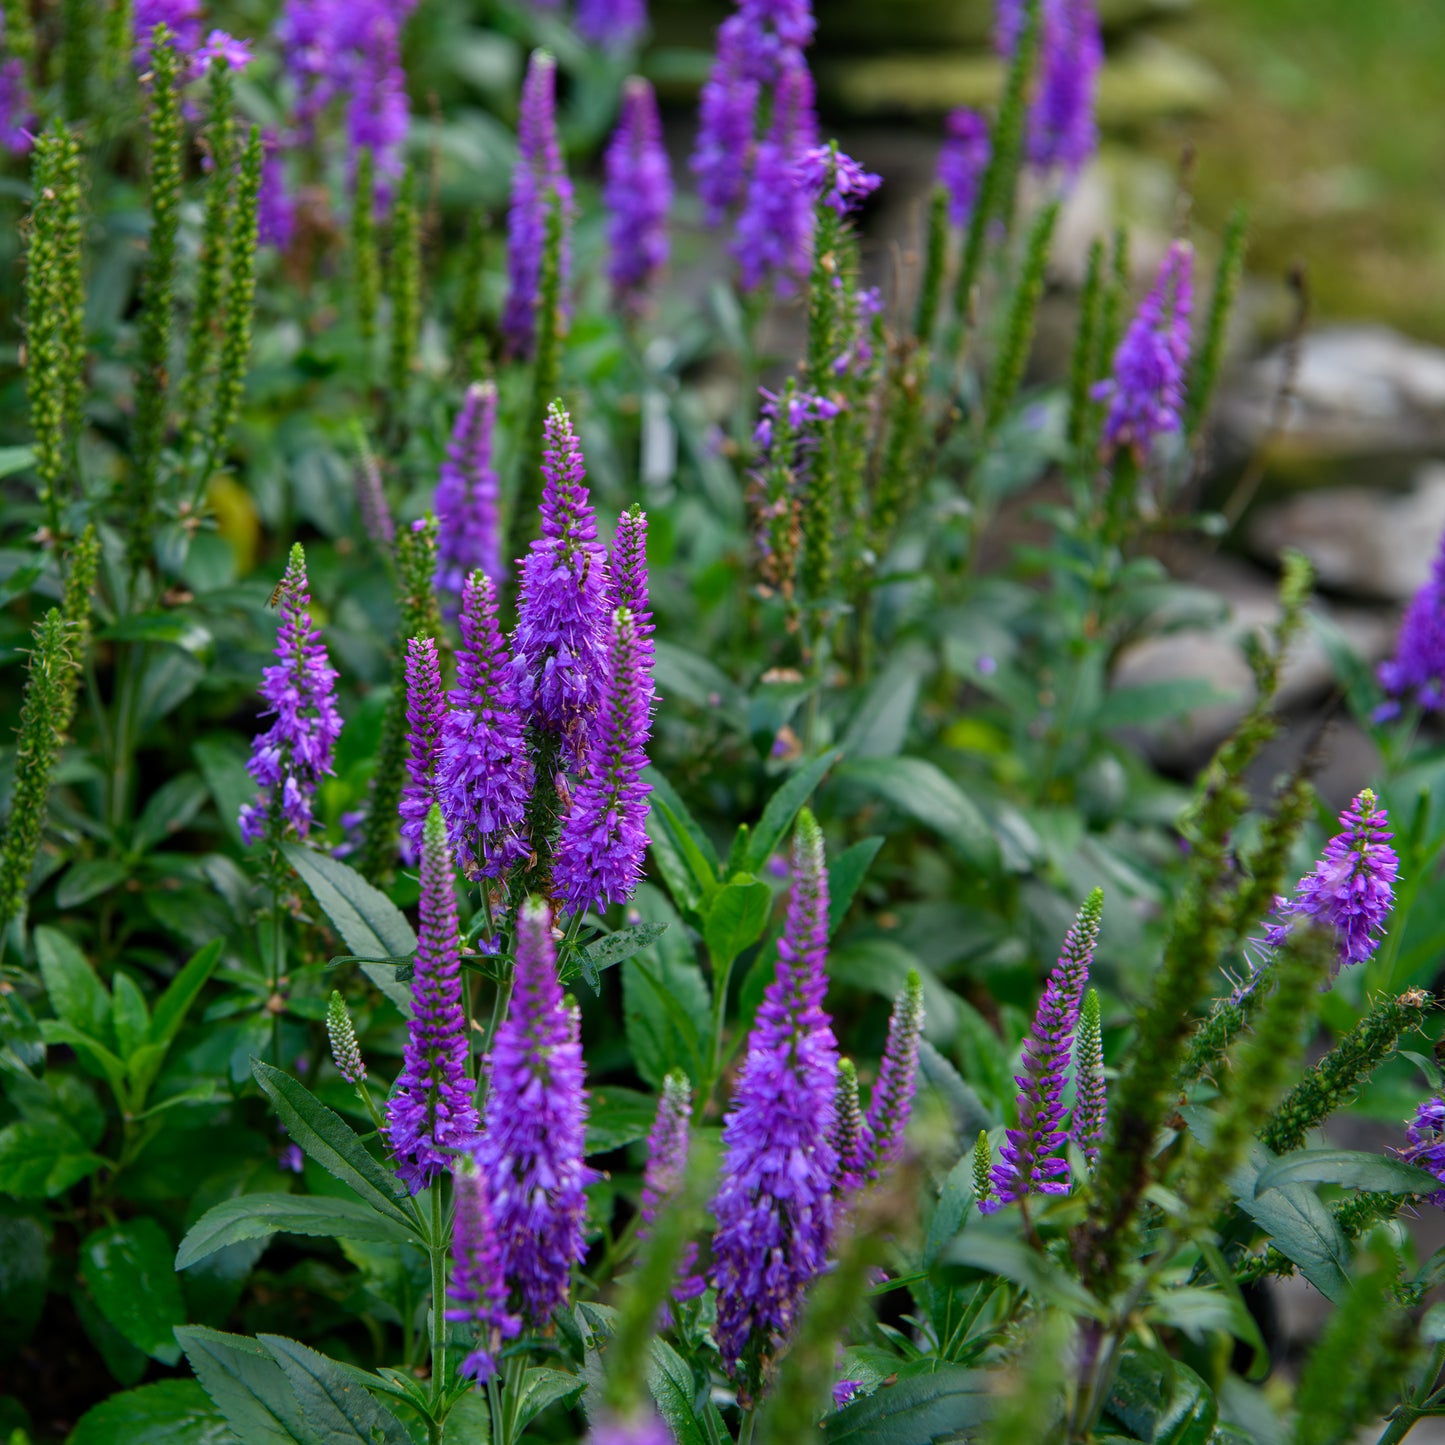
[
  {"x": 1083, "y": 360},
  {"x": 206, "y": 320},
  {"x": 403, "y": 287},
  {"x": 365, "y": 263},
  {"x": 1205, "y": 371},
  {"x": 416, "y": 560},
  {"x": 848, "y": 1132},
  {"x": 982, "y": 1164},
  {"x": 157, "y": 299},
  {"x": 1333, "y": 1081},
  {"x": 1008, "y": 369},
  {"x": 935, "y": 258}
]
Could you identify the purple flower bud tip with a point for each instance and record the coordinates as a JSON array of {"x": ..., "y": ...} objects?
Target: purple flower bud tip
[
  {"x": 221, "y": 46},
  {"x": 426, "y": 718},
  {"x": 826, "y": 174},
  {"x": 1416, "y": 673},
  {"x": 962, "y": 162},
  {"x": 477, "y": 1291},
  {"x": 845, "y": 1392}
]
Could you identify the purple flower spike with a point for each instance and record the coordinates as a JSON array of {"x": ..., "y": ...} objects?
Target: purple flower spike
[
  {"x": 727, "y": 112},
  {"x": 17, "y": 115},
  {"x": 539, "y": 182},
  {"x": 533, "y": 1134},
  {"x": 377, "y": 112},
  {"x": 638, "y": 195},
  {"x": 1062, "y": 133},
  {"x": 643, "y": 1428},
  {"x": 181, "y": 17},
  {"x": 790, "y": 20},
  {"x": 1352, "y": 888},
  {"x": 291, "y": 757},
  {"x": 276, "y": 210},
  {"x": 612, "y": 24},
  {"x": 1146, "y": 393},
  {"x": 1416, "y": 673},
  {"x": 477, "y": 1291},
  {"x": 430, "y": 1114},
  {"x": 559, "y": 648},
  {"x": 485, "y": 777},
  {"x": 604, "y": 835},
  {"x": 426, "y": 719},
  {"x": 892, "y": 1100},
  {"x": 773, "y": 230},
  {"x": 1091, "y": 1101},
  {"x": 1028, "y": 1161},
  {"x": 664, "y": 1172},
  {"x": 826, "y": 174},
  {"x": 1426, "y": 1149},
  {"x": 962, "y": 162},
  {"x": 775, "y": 1204},
  {"x": 467, "y": 498},
  {"x": 221, "y": 46},
  {"x": 627, "y": 569}
]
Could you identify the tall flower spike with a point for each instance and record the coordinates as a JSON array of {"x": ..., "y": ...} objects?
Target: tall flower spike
[
  {"x": 1028, "y": 1162},
  {"x": 892, "y": 1100},
  {"x": 663, "y": 1175},
  {"x": 837, "y": 180},
  {"x": 477, "y": 1290},
  {"x": 1352, "y": 888},
  {"x": 1426, "y": 1149},
  {"x": 774, "y": 1205},
  {"x": 431, "y": 1115},
  {"x": 726, "y": 117},
  {"x": 604, "y": 835},
  {"x": 1146, "y": 392},
  {"x": 17, "y": 116},
  {"x": 539, "y": 182},
  {"x": 485, "y": 776},
  {"x": 467, "y": 497},
  {"x": 638, "y": 196},
  {"x": 426, "y": 717},
  {"x": 1062, "y": 134},
  {"x": 1091, "y": 1103},
  {"x": 627, "y": 573},
  {"x": 771, "y": 241},
  {"x": 850, "y": 1132},
  {"x": 559, "y": 648},
  {"x": 532, "y": 1137},
  {"x": 1416, "y": 673},
  {"x": 613, "y": 24},
  {"x": 962, "y": 161},
  {"x": 291, "y": 757}
]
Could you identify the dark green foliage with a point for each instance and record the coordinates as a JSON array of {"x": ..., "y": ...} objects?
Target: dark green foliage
[
  {"x": 935, "y": 260},
  {"x": 403, "y": 286},
  {"x": 365, "y": 262},
  {"x": 1018, "y": 336}
]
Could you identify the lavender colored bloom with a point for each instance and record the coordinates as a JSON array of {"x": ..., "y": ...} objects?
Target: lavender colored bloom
[
  {"x": 182, "y": 18},
  {"x": 559, "y": 648},
  {"x": 1426, "y": 1149},
  {"x": 426, "y": 718},
  {"x": 377, "y": 112},
  {"x": 16, "y": 113},
  {"x": 221, "y": 46},
  {"x": 1028, "y": 1163},
  {"x": 312, "y": 35},
  {"x": 774, "y": 1205},
  {"x": 291, "y": 757},
  {"x": 468, "y": 497},
  {"x": 790, "y": 20},
  {"x": 1061, "y": 128},
  {"x": 291, "y": 1158},
  {"x": 539, "y": 182},
  {"x": 1146, "y": 393},
  {"x": 1091, "y": 1102},
  {"x": 613, "y": 24},
  {"x": 892, "y": 1100},
  {"x": 644, "y": 1428},
  {"x": 727, "y": 114},
  {"x": 638, "y": 195},
  {"x": 845, "y": 1392},
  {"x": 477, "y": 1290},
  {"x": 275, "y": 209},
  {"x": 802, "y": 408},
  {"x": 663, "y": 1175},
  {"x": 604, "y": 835},
  {"x": 962, "y": 161},
  {"x": 1352, "y": 888},
  {"x": 826, "y": 174},
  {"x": 371, "y": 502},
  {"x": 430, "y": 1114},
  {"x": 485, "y": 777},
  {"x": 1416, "y": 673},
  {"x": 771, "y": 240},
  {"x": 532, "y": 1138}
]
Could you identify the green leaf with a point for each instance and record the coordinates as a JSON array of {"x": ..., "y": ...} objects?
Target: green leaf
[
  {"x": 995, "y": 1252},
  {"x": 879, "y": 728},
  {"x": 24, "y": 1268},
  {"x": 331, "y": 1142},
  {"x": 75, "y": 991},
  {"x": 369, "y": 922},
  {"x": 133, "y": 1283},
  {"x": 666, "y": 1005},
  {"x": 928, "y": 795},
  {"x": 247, "y": 1386},
  {"x": 130, "y": 1015},
  {"x": 952, "y": 1208},
  {"x": 882, "y": 967},
  {"x": 670, "y": 1379},
  {"x": 736, "y": 919},
  {"x": 1302, "y": 1228},
  {"x": 664, "y": 792},
  {"x": 230, "y": 785},
  {"x": 687, "y": 870},
  {"x": 15, "y": 459},
  {"x": 172, "y": 628},
  {"x": 1161, "y": 1400},
  {"x": 39, "y": 1161},
  {"x": 939, "y": 1405},
  {"x": 617, "y": 1116},
  {"x": 783, "y": 807},
  {"x": 57, "y": 1031},
  {"x": 169, "y": 1412},
  {"x": 1155, "y": 702},
  {"x": 257, "y": 1216},
  {"x": 680, "y": 673},
  {"x": 1353, "y": 1169},
  {"x": 168, "y": 810},
  {"x": 605, "y": 952},
  {"x": 541, "y": 1387},
  {"x": 969, "y": 1114},
  {"x": 337, "y": 1408},
  {"x": 89, "y": 879},
  {"x": 846, "y": 873},
  {"x": 175, "y": 1003}
]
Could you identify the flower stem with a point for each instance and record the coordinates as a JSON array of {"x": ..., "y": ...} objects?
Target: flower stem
[{"x": 438, "y": 1300}]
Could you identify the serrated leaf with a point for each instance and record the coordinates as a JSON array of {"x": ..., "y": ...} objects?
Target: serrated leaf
[
  {"x": 919, "y": 1409},
  {"x": 1300, "y": 1225},
  {"x": 783, "y": 807},
  {"x": 334, "y": 1405},
  {"x": 1006, "y": 1255},
  {"x": 371, "y": 925},
  {"x": 925, "y": 793},
  {"x": 1350, "y": 1168},
  {"x": 75, "y": 991},
  {"x": 616, "y": 1117},
  {"x": 542, "y": 1387},
  {"x": 257, "y": 1216},
  {"x": 1161, "y": 1400},
  {"x": 331, "y": 1142},
  {"x": 670, "y": 1379},
  {"x": 169, "y": 1412},
  {"x": 246, "y": 1385},
  {"x": 128, "y": 1270},
  {"x": 615, "y": 947}
]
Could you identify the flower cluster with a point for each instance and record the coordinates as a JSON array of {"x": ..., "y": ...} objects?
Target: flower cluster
[
  {"x": 477, "y": 1290},
  {"x": 638, "y": 196},
  {"x": 16, "y": 108},
  {"x": 1416, "y": 673},
  {"x": 426, "y": 719},
  {"x": 1062, "y": 134},
  {"x": 663, "y": 1175},
  {"x": 826, "y": 174},
  {"x": 291, "y": 757},
  {"x": 468, "y": 497},
  {"x": 1426, "y": 1149},
  {"x": 962, "y": 162}
]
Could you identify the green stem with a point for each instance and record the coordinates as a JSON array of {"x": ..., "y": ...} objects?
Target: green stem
[
  {"x": 278, "y": 948},
  {"x": 1408, "y": 1413},
  {"x": 438, "y": 1303},
  {"x": 721, "y": 978}
]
